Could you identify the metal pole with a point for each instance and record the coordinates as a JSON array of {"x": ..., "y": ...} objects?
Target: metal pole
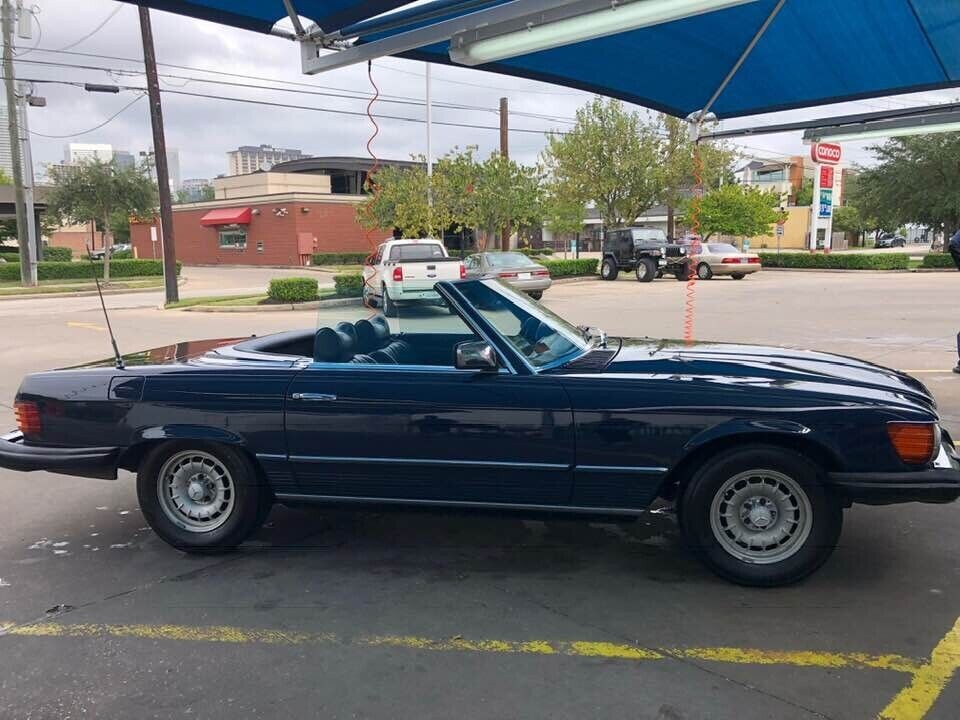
[
  {"x": 33, "y": 236},
  {"x": 28, "y": 266},
  {"x": 160, "y": 159},
  {"x": 430, "y": 151},
  {"x": 505, "y": 152}
]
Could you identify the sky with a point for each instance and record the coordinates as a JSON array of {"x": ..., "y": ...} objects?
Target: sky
[{"x": 204, "y": 129}]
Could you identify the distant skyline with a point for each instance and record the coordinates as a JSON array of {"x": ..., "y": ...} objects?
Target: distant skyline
[{"x": 210, "y": 56}]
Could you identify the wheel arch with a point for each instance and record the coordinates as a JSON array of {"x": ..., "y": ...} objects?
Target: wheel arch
[
  {"x": 699, "y": 452},
  {"x": 146, "y": 439}
]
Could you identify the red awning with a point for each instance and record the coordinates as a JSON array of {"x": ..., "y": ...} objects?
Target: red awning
[{"x": 227, "y": 216}]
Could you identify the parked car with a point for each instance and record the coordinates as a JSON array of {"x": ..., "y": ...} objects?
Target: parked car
[
  {"x": 404, "y": 271},
  {"x": 514, "y": 268},
  {"x": 889, "y": 240},
  {"x": 643, "y": 251},
  {"x": 725, "y": 259},
  {"x": 504, "y": 406},
  {"x": 100, "y": 253}
]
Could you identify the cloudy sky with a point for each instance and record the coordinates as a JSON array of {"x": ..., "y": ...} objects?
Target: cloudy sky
[{"x": 104, "y": 37}]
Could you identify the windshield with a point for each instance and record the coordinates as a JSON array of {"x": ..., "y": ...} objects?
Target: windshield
[
  {"x": 417, "y": 251},
  {"x": 649, "y": 234},
  {"x": 721, "y": 248},
  {"x": 508, "y": 260},
  {"x": 543, "y": 338}
]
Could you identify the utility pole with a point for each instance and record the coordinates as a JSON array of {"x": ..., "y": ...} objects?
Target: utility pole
[
  {"x": 160, "y": 159},
  {"x": 28, "y": 265},
  {"x": 504, "y": 152},
  {"x": 430, "y": 149},
  {"x": 34, "y": 237}
]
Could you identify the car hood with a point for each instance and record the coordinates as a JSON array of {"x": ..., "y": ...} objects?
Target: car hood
[{"x": 770, "y": 366}]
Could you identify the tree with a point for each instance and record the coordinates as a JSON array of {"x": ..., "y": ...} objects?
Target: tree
[
  {"x": 398, "y": 198},
  {"x": 185, "y": 196},
  {"x": 4, "y": 178},
  {"x": 507, "y": 195},
  {"x": 95, "y": 192},
  {"x": 609, "y": 159},
  {"x": 676, "y": 167},
  {"x": 846, "y": 218},
  {"x": 738, "y": 210},
  {"x": 805, "y": 193},
  {"x": 455, "y": 178}
]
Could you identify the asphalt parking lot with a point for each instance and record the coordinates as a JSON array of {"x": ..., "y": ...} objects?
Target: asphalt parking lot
[{"x": 416, "y": 615}]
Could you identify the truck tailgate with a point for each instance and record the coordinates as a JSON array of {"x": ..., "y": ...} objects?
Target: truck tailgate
[{"x": 423, "y": 275}]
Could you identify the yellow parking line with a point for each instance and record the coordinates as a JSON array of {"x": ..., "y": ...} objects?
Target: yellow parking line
[
  {"x": 86, "y": 326},
  {"x": 585, "y": 649},
  {"x": 915, "y": 700}
]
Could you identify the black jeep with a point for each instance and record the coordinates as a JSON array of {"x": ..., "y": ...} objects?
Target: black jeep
[{"x": 645, "y": 251}]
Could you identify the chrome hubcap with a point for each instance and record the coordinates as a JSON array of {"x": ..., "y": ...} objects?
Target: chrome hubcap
[
  {"x": 761, "y": 516},
  {"x": 196, "y": 491}
]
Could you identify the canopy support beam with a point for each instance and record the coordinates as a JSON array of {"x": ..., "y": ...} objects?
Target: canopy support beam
[{"x": 294, "y": 18}]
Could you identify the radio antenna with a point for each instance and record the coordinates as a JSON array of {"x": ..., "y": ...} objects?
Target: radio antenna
[{"x": 117, "y": 357}]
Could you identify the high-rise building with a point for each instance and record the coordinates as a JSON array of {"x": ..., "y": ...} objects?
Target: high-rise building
[
  {"x": 173, "y": 166},
  {"x": 124, "y": 159},
  {"x": 74, "y": 153},
  {"x": 250, "y": 158},
  {"x": 193, "y": 189}
]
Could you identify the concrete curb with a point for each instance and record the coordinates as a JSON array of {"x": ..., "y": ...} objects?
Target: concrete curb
[
  {"x": 578, "y": 278},
  {"x": 315, "y": 305}
]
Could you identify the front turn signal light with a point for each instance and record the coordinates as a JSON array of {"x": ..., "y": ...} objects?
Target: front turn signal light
[{"x": 915, "y": 443}]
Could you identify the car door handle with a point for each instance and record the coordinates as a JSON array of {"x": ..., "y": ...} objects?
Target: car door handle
[{"x": 314, "y": 397}]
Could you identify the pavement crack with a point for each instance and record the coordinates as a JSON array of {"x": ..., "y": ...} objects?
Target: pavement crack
[{"x": 664, "y": 651}]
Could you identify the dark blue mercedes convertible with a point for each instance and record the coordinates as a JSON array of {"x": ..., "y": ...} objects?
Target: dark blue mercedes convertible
[{"x": 499, "y": 404}]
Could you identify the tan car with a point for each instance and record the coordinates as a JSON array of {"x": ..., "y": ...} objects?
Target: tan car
[
  {"x": 725, "y": 259},
  {"x": 514, "y": 268}
]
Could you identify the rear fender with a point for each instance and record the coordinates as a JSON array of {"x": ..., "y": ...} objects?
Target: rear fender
[{"x": 188, "y": 432}]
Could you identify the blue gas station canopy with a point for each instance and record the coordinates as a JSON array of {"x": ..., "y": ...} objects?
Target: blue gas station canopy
[{"x": 813, "y": 52}]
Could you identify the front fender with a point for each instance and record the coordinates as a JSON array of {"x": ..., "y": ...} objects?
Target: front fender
[{"x": 744, "y": 427}]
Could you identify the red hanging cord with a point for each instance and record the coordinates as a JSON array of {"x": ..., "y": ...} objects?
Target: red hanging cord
[
  {"x": 689, "y": 311},
  {"x": 371, "y": 182}
]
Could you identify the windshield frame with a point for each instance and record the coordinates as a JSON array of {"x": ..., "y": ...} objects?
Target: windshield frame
[{"x": 472, "y": 315}]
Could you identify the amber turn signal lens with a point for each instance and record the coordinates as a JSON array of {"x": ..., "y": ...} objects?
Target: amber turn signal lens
[
  {"x": 915, "y": 443},
  {"x": 28, "y": 417}
]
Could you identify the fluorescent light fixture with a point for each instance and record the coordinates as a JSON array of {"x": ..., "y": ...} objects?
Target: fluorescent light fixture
[
  {"x": 572, "y": 22},
  {"x": 934, "y": 122}
]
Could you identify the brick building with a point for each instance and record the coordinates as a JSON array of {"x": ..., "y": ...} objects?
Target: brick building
[{"x": 279, "y": 217}]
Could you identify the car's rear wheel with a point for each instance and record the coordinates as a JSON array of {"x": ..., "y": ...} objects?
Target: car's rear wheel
[
  {"x": 609, "y": 269},
  {"x": 760, "y": 515},
  {"x": 646, "y": 270},
  {"x": 704, "y": 272},
  {"x": 201, "y": 497},
  {"x": 536, "y": 294},
  {"x": 389, "y": 306},
  {"x": 738, "y": 276}
]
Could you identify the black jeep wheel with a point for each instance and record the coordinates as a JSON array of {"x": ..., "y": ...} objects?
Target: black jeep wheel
[
  {"x": 201, "y": 497},
  {"x": 609, "y": 269},
  {"x": 760, "y": 515},
  {"x": 646, "y": 270}
]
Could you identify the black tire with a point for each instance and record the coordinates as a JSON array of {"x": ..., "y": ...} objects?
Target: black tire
[
  {"x": 609, "y": 269},
  {"x": 818, "y": 532},
  {"x": 682, "y": 273},
  {"x": 536, "y": 294},
  {"x": 389, "y": 306},
  {"x": 738, "y": 276},
  {"x": 646, "y": 270},
  {"x": 251, "y": 499},
  {"x": 659, "y": 273},
  {"x": 704, "y": 272}
]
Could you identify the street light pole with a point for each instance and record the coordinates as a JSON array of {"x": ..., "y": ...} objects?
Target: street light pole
[
  {"x": 28, "y": 264},
  {"x": 160, "y": 159}
]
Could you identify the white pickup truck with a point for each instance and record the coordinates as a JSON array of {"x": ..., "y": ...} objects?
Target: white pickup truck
[{"x": 405, "y": 271}]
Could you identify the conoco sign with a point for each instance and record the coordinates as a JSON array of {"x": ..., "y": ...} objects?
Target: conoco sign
[{"x": 825, "y": 153}]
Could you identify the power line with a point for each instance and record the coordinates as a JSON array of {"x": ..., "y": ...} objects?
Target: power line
[
  {"x": 93, "y": 32},
  {"x": 97, "y": 127}
]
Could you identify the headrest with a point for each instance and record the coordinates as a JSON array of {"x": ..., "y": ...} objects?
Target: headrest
[
  {"x": 372, "y": 334},
  {"x": 331, "y": 345},
  {"x": 349, "y": 330}
]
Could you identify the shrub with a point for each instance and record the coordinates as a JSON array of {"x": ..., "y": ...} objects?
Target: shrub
[
  {"x": 570, "y": 268},
  {"x": 292, "y": 290},
  {"x": 937, "y": 260},
  {"x": 122, "y": 255},
  {"x": 83, "y": 271},
  {"x": 52, "y": 253},
  {"x": 536, "y": 252},
  {"x": 339, "y": 258},
  {"x": 348, "y": 284},
  {"x": 835, "y": 261}
]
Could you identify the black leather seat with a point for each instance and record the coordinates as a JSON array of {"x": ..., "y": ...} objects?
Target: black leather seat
[
  {"x": 372, "y": 334},
  {"x": 399, "y": 352},
  {"x": 331, "y": 345}
]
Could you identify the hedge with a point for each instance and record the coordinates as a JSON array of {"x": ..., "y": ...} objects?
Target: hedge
[
  {"x": 938, "y": 260},
  {"x": 339, "y": 258},
  {"x": 536, "y": 252},
  {"x": 570, "y": 268},
  {"x": 348, "y": 284},
  {"x": 52, "y": 253},
  {"x": 10, "y": 271},
  {"x": 291, "y": 290},
  {"x": 122, "y": 255},
  {"x": 835, "y": 261}
]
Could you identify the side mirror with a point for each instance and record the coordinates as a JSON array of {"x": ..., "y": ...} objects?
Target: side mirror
[{"x": 475, "y": 355}]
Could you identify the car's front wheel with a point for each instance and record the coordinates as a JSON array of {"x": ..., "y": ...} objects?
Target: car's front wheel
[
  {"x": 646, "y": 270},
  {"x": 760, "y": 515},
  {"x": 609, "y": 269},
  {"x": 201, "y": 497}
]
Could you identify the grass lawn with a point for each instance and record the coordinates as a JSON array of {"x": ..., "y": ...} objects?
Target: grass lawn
[
  {"x": 61, "y": 286},
  {"x": 236, "y": 300},
  {"x": 341, "y": 269}
]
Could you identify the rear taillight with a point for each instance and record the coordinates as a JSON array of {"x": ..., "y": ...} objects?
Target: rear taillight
[
  {"x": 398, "y": 274},
  {"x": 28, "y": 417},
  {"x": 507, "y": 275},
  {"x": 915, "y": 443},
  {"x": 541, "y": 272},
  {"x": 463, "y": 271},
  {"x": 754, "y": 261},
  {"x": 731, "y": 261}
]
